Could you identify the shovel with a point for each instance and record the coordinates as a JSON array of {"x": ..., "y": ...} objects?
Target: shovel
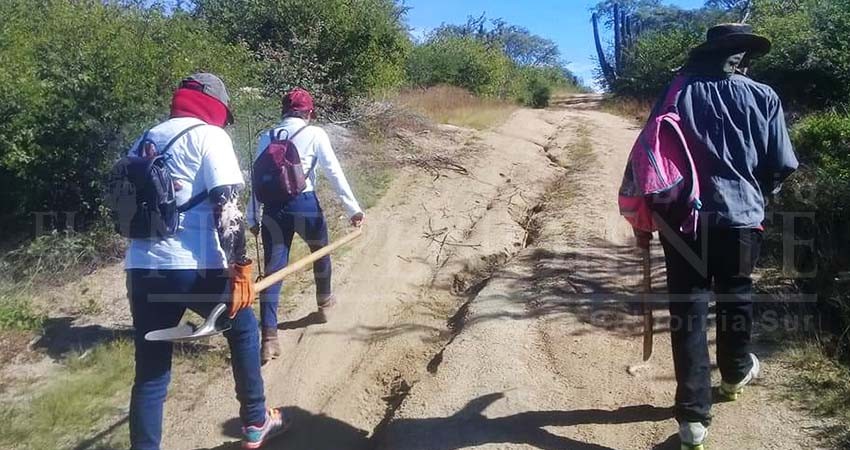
[
  {"x": 188, "y": 332},
  {"x": 212, "y": 326}
]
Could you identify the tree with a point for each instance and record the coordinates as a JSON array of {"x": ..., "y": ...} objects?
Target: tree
[
  {"x": 78, "y": 82},
  {"x": 741, "y": 8},
  {"x": 362, "y": 45},
  {"x": 522, "y": 46}
]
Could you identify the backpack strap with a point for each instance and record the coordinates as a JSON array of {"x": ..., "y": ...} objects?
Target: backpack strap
[
  {"x": 178, "y": 136},
  {"x": 312, "y": 167},
  {"x": 196, "y": 200},
  {"x": 193, "y": 202},
  {"x": 276, "y": 137},
  {"x": 671, "y": 100},
  {"x": 142, "y": 143}
]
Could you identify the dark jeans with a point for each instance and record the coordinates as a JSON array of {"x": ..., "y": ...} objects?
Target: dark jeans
[
  {"x": 158, "y": 299},
  {"x": 726, "y": 257},
  {"x": 302, "y": 215}
]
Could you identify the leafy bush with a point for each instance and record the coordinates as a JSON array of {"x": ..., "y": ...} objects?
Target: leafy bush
[
  {"x": 60, "y": 255},
  {"x": 78, "y": 81},
  {"x": 540, "y": 92},
  {"x": 809, "y": 64},
  {"x": 17, "y": 313},
  {"x": 338, "y": 48},
  {"x": 653, "y": 60},
  {"x": 465, "y": 62},
  {"x": 822, "y": 187}
]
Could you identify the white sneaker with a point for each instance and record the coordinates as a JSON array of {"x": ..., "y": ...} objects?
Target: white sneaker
[
  {"x": 733, "y": 391},
  {"x": 692, "y": 435}
]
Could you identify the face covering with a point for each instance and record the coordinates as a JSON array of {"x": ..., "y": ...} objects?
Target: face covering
[
  {"x": 714, "y": 64},
  {"x": 193, "y": 103}
]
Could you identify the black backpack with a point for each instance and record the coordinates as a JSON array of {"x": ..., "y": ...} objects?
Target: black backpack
[{"x": 141, "y": 192}]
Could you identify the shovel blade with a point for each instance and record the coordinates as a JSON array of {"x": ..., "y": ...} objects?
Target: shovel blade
[{"x": 183, "y": 333}]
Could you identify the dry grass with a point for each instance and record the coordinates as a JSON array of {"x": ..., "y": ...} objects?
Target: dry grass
[
  {"x": 630, "y": 108},
  {"x": 822, "y": 386},
  {"x": 456, "y": 106}
]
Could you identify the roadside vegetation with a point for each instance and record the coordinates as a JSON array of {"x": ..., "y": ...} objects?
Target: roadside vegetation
[
  {"x": 86, "y": 390},
  {"x": 456, "y": 106},
  {"x": 810, "y": 69}
]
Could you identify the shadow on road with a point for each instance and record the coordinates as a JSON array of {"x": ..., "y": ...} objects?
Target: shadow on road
[
  {"x": 469, "y": 427},
  {"x": 61, "y": 336},
  {"x": 309, "y": 432},
  {"x": 466, "y": 428},
  {"x": 314, "y": 318}
]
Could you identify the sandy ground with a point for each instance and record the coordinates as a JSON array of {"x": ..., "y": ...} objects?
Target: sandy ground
[{"x": 489, "y": 308}]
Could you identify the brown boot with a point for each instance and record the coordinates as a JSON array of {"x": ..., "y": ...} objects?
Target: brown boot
[
  {"x": 325, "y": 303},
  {"x": 270, "y": 346}
]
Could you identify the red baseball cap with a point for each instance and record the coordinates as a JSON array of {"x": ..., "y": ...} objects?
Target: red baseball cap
[{"x": 299, "y": 100}]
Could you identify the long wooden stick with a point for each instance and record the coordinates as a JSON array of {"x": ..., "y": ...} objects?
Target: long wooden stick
[
  {"x": 648, "y": 321},
  {"x": 302, "y": 263}
]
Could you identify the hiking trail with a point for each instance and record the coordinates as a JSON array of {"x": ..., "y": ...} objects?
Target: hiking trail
[{"x": 487, "y": 308}]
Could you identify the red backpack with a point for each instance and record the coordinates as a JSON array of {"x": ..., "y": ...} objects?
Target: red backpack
[{"x": 278, "y": 174}]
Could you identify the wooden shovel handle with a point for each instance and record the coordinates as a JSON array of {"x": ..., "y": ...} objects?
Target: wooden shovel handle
[{"x": 302, "y": 263}]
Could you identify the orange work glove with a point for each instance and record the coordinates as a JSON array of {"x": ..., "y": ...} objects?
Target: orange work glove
[{"x": 242, "y": 291}]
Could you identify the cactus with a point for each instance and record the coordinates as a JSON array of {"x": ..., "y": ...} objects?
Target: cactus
[
  {"x": 626, "y": 31},
  {"x": 607, "y": 70}
]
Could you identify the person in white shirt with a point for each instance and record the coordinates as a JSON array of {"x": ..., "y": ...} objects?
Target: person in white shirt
[
  {"x": 204, "y": 263},
  {"x": 302, "y": 215}
]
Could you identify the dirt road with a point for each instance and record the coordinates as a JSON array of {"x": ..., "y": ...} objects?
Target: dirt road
[{"x": 488, "y": 308}]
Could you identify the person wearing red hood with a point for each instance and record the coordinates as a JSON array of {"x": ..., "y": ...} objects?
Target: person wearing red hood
[{"x": 204, "y": 263}]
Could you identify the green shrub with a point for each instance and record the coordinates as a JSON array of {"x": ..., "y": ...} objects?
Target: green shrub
[
  {"x": 87, "y": 391},
  {"x": 809, "y": 64},
  {"x": 536, "y": 84},
  {"x": 78, "y": 81},
  {"x": 541, "y": 92},
  {"x": 61, "y": 255},
  {"x": 822, "y": 187},
  {"x": 823, "y": 141},
  {"x": 653, "y": 60},
  {"x": 465, "y": 62},
  {"x": 17, "y": 313},
  {"x": 337, "y": 48}
]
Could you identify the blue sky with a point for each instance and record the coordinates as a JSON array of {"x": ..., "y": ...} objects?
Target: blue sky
[{"x": 567, "y": 22}]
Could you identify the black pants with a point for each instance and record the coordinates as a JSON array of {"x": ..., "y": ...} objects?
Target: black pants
[{"x": 726, "y": 257}]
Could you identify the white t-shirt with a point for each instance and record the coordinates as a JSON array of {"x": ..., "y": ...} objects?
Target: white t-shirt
[{"x": 202, "y": 159}]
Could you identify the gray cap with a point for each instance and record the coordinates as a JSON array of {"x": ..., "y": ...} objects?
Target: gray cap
[{"x": 213, "y": 86}]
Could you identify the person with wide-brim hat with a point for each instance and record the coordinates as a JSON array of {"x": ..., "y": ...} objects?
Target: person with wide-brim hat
[
  {"x": 734, "y": 38},
  {"x": 735, "y": 130}
]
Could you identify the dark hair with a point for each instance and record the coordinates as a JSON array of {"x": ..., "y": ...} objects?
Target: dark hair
[{"x": 299, "y": 114}]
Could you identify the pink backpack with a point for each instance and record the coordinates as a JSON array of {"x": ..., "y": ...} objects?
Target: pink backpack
[
  {"x": 278, "y": 174},
  {"x": 660, "y": 183}
]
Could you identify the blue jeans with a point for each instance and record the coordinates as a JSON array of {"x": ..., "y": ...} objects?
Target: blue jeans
[
  {"x": 302, "y": 215},
  {"x": 158, "y": 299},
  {"x": 727, "y": 260}
]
